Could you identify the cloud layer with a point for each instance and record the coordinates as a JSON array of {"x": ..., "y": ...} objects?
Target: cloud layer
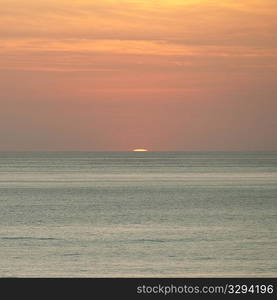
[{"x": 112, "y": 75}]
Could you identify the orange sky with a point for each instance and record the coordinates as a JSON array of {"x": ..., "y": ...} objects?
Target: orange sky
[{"x": 121, "y": 74}]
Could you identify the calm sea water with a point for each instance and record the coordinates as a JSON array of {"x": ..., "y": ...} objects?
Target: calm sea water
[{"x": 185, "y": 214}]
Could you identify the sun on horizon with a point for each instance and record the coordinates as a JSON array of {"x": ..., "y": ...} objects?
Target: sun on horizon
[{"x": 140, "y": 150}]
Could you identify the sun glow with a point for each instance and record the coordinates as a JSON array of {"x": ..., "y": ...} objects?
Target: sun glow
[{"x": 140, "y": 150}]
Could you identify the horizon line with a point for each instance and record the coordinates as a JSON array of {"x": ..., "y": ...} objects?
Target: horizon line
[{"x": 131, "y": 151}]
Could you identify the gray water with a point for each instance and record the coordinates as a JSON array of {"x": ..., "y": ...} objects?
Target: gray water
[{"x": 183, "y": 214}]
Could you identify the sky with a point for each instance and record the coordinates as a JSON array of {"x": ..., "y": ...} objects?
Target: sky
[{"x": 114, "y": 75}]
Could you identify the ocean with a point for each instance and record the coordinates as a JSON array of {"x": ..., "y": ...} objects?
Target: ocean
[{"x": 131, "y": 214}]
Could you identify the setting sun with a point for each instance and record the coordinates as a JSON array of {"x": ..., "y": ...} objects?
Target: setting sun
[{"x": 140, "y": 150}]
